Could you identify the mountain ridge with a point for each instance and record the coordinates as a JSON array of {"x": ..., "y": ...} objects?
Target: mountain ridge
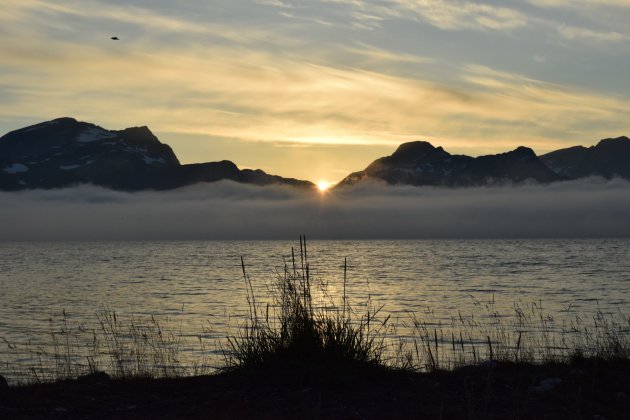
[
  {"x": 420, "y": 163},
  {"x": 64, "y": 152},
  {"x": 609, "y": 157}
]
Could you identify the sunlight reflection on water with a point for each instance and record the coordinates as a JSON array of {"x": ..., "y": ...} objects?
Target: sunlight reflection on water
[{"x": 199, "y": 285}]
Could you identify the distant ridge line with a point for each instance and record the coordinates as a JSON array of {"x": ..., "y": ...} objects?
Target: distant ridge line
[{"x": 65, "y": 152}]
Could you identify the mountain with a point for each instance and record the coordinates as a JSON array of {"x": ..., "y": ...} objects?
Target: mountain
[
  {"x": 609, "y": 158},
  {"x": 420, "y": 163},
  {"x": 65, "y": 152}
]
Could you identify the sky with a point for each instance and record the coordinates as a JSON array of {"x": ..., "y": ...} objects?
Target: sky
[{"x": 316, "y": 89}]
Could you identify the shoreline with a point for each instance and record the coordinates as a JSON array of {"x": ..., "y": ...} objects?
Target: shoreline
[{"x": 588, "y": 388}]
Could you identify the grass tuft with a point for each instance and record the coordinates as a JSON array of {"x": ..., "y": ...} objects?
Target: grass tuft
[{"x": 296, "y": 329}]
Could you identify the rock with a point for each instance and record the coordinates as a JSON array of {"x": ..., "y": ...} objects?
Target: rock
[
  {"x": 489, "y": 364},
  {"x": 94, "y": 378},
  {"x": 547, "y": 385}
]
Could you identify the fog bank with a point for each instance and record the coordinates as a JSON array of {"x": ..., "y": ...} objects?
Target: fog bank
[{"x": 228, "y": 210}]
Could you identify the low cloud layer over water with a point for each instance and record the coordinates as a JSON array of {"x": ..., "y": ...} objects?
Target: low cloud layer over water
[{"x": 227, "y": 210}]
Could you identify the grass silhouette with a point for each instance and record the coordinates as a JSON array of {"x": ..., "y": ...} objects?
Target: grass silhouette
[
  {"x": 304, "y": 327},
  {"x": 297, "y": 330}
]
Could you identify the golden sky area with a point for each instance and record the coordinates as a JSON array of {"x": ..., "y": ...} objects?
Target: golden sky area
[{"x": 317, "y": 89}]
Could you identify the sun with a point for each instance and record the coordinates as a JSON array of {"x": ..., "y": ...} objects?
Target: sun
[{"x": 323, "y": 186}]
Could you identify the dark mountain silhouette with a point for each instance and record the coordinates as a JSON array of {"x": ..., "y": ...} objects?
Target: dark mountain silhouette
[
  {"x": 420, "y": 163},
  {"x": 65, "y": 152},
  {"x": 609, "y": 158}
]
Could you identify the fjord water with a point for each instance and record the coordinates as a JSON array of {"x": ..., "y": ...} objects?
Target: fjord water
[{"x": 199, "y": 285}]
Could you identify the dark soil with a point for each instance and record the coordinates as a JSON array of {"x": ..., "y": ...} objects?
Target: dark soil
[{"x": 586, "y": 390}]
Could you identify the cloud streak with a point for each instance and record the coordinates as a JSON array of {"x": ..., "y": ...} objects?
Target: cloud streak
[
  {"x": 259, "y": 96},
  {"x": 226, "y": 210},
  {"x": 581, "y": 3},
  {"x": 572, "y": 32},
  {"x": 447, "y": 15}
]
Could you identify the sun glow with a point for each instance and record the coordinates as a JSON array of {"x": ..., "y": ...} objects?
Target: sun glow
[{"x": 323, "y": 186}]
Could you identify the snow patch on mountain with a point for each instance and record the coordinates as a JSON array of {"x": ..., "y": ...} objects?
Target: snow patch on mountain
[
  {"x": 152, "y": 161},
  {"x": 94, "y": 134},
  {"x": 16, "y": 168},
  {"x": 40, "y": 126},
  {"x": 69, "y": 167}
]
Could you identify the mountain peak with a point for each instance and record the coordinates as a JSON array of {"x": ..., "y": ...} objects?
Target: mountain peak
[
  {"x": 62, "y": 120},
  {"x": 522, "y": 152},
  {"x": 618, "y": 141},
  {"x": 413, "y": 148},
  {"x": 416, "y": 151},
  {"x": 140, "y": 134}
]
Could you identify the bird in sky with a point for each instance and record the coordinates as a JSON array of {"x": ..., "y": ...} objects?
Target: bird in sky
[{"x": 115, "y": 38}]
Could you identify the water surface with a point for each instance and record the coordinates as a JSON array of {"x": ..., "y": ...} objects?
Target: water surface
[{"x": 199, "y": 285}]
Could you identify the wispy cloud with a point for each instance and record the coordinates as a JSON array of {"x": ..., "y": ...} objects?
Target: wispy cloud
[
  {"x": 274, "y": 3},
  {"x": 141, "y": 21},
  {"x": 449, "y": 15},
  {"x": 590, "y": 21},
  {"x": 372, "y": 54},
  {"x": 465, "y": 15},
  {"x": 580, "y": 3},
  {"x": 538, "y": 107},
  {"x": 573, "y": 32},
  {"x": 260, "y": 96}
]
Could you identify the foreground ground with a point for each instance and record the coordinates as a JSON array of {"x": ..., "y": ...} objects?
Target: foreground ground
[{"x": 586, "y": 390}]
